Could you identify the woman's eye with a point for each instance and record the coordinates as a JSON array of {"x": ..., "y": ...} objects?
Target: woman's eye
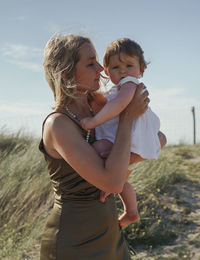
[
  {"x": 129, "y": 65},
  {"x": 91, "y": 64}
]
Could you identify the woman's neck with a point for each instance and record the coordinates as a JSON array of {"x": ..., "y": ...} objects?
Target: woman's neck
[{"x": 80, "y": 107}]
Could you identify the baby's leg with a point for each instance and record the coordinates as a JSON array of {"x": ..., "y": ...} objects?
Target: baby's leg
[
  {"x": 130, "y": 215},
  {"x": 162, "y": 138},
  {"x": 135, "y": 158},
  {"x": 103, "y": 147}
]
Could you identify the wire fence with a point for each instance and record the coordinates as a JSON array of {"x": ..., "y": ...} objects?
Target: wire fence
[{"x": 177, "y": 124}]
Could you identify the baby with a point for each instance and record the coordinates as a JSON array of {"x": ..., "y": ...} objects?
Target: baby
[{"x": 124, "y": 64}]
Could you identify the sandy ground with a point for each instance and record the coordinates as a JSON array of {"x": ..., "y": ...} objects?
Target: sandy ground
[{"x": 187, "y": 244}]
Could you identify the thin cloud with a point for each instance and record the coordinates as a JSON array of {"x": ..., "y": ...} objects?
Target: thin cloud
[
  {"x": 22, "y": 117},
  {"x": 23, "y": 56},
  {"x": 171, "y": 99},
  {"x": 27, "y": 65},
  {"x": 20, "y": 18},
  {"x": 24, "y": 109},
  {"x": 20, "y": 51}
]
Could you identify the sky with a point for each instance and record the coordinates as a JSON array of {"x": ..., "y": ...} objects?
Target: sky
[{"x": 167, "y": 30}]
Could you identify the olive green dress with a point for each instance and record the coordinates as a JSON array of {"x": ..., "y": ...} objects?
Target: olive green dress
[{"x": 80, "y": 227}]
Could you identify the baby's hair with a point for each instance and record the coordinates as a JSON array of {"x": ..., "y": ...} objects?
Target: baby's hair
[
  {"x": 61, "y": 55},
  {"x": 125, "y": 46}
]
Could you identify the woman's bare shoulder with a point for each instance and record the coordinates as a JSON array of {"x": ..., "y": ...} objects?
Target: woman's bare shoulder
[
  {"x": 59, "y": 128},
  {"x": 57, "y": 120}
]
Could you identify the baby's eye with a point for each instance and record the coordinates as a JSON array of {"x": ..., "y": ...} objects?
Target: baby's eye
[{"x": 115, "y": 67}]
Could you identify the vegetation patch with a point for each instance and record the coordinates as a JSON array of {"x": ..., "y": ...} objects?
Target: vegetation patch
[{"x": 167, "y": 194}]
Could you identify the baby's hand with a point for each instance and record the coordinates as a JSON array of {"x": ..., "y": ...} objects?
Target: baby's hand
[{"x": 87, "y": 123}]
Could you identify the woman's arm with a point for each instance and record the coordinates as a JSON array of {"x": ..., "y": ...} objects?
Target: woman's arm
[
  {"x": 63, "y": 137},
  {"x": 112, "y": 108}
]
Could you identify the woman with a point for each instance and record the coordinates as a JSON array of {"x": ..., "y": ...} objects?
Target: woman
[{"x": 80, "y": 226}]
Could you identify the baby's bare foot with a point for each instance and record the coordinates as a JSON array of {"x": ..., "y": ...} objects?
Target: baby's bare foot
[{"x": 127, "y": 218}]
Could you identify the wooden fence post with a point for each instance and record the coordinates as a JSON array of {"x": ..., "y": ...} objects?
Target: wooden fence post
[{"x": 194, "y": 125}]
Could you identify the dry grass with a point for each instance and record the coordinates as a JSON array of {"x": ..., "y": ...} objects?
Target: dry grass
[
  {"x": 167, "y": 191},
  {"x": 25, "y": 196}
]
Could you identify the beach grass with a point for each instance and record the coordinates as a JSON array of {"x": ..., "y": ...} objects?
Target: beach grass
[{"x": 168, "y": 195}]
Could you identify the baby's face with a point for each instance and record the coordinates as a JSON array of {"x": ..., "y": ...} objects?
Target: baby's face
[{"x": 122, "y": 66}]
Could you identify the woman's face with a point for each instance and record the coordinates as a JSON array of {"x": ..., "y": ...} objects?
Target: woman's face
[{"x": 88, "y": 69}]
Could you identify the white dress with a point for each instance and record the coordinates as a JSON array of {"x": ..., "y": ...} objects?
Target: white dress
[{"x": 145, "y": 141}]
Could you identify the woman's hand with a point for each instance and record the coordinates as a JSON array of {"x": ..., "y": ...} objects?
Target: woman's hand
[{"x": 138, "y": 105}]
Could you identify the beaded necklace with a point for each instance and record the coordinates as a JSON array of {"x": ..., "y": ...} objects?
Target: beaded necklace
[{"x": 78, "y": 119}]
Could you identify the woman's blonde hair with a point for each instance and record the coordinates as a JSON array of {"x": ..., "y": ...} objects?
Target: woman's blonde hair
[{"x": 61, "y": 55}]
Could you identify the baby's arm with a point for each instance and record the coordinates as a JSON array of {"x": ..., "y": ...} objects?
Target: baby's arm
[{"x": 112, "y": 108}]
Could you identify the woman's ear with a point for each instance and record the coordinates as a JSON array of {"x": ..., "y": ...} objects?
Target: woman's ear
[{"x": 142, "y": 68}]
